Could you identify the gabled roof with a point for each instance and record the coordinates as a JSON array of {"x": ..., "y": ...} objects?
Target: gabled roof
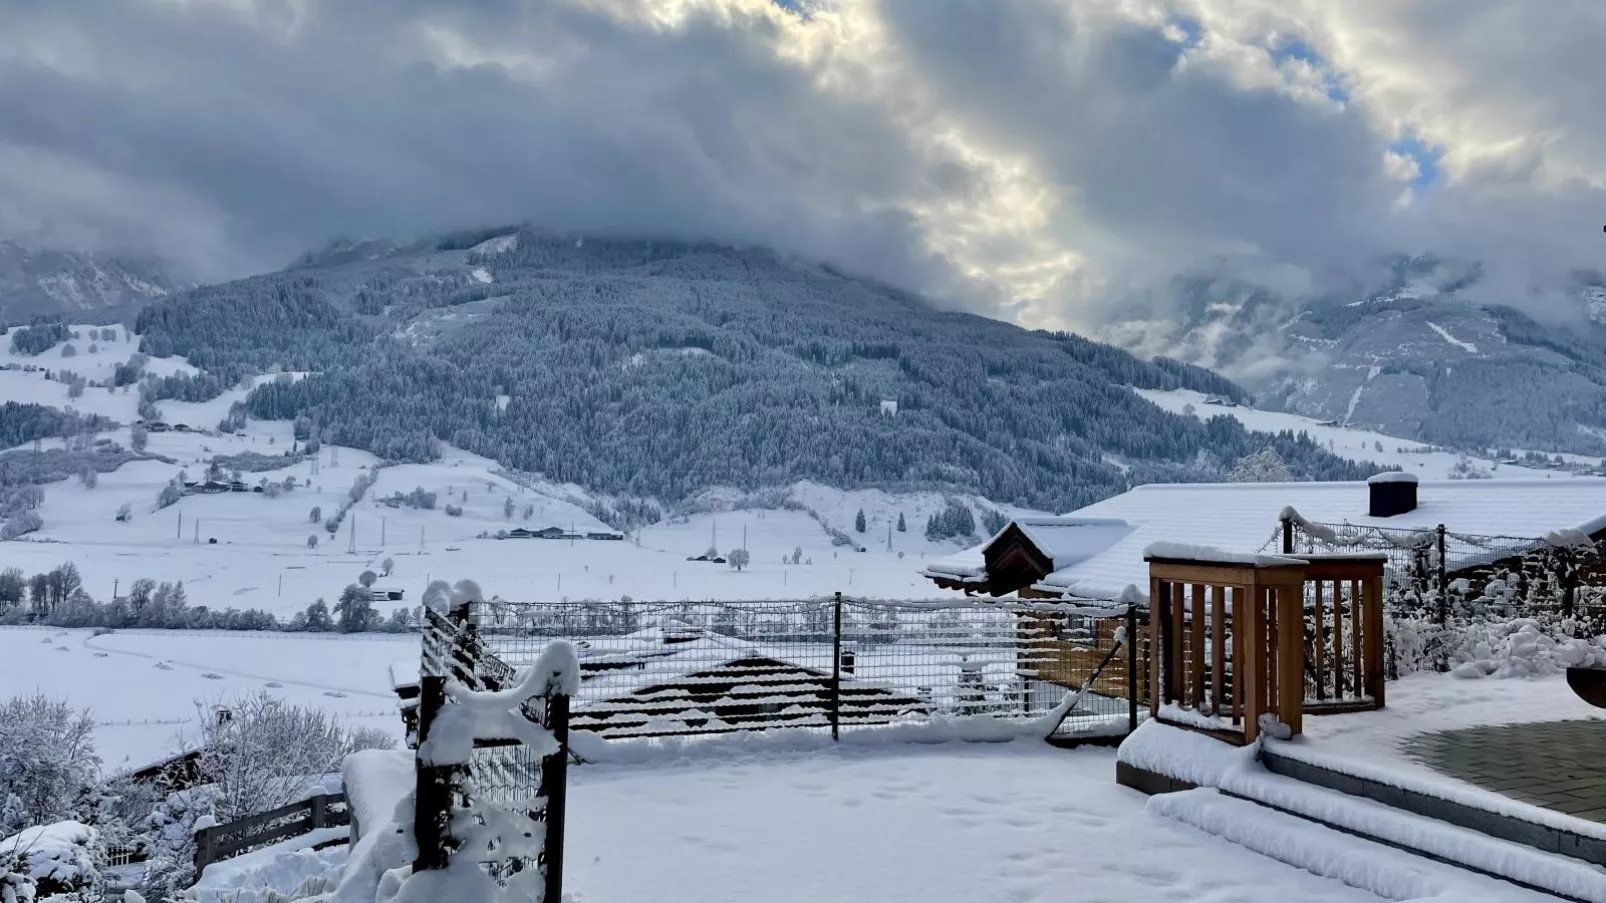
[{"x": 1244, "y": 517}]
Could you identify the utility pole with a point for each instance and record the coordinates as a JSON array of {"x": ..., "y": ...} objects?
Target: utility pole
[
  {"x": 197, "y": 531},
  {"x": 421, "y": 539},
  {"x": 115, "y": 583},
  {"x": 281, "y": 586},
  {"x": 382, "y": 526},
  {"x": 351, "y": 537},
  {"x": 180, "y": 533}
]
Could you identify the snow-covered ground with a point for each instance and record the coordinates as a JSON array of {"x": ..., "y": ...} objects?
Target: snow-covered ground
[
  {"x": 1354, "y": 443},
  {"x": 143, "y": 687}
]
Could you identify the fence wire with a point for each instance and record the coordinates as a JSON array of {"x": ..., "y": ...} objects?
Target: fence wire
[{"x": 669, "y": 669}]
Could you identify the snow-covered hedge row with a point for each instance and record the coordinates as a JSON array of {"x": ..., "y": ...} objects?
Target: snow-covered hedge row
[{"x": 1492, "y": 647}]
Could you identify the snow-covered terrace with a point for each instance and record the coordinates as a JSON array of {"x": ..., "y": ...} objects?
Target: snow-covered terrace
[{"x": 1098, "y": 550}]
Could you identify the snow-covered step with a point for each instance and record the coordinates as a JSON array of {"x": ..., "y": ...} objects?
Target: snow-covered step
[
  {"x": 1563, "y": 875},
  {"x": 1386, "y": 871}
]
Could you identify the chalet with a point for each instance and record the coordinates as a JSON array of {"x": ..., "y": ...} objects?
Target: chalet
[
  {"x": 605, "y": 535},
  {"x": 181, "y": 427},
  {"x": 214, "y": 486},
  {"x": 520, "y": 533},
  {"x": 156, "y": 426},
  {"x": 1097, "y": 552},
  {"x": 549, "y": 533},
  {"x": 238, "y": 486},
  {"x": 385, "y": 594}
]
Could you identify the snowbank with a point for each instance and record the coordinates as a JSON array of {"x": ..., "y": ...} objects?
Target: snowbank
[
  {"x": 376, "y": 780},
  {"x": 58, "y": 854},
  {"x": 273, "y": 874}
]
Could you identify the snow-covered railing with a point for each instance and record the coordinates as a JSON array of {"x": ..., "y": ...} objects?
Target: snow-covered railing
[
  {"x": 215, "y": 842},
  {"x": 1241, "y": 642}
]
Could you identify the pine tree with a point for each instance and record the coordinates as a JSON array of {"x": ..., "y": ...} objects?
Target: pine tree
[
  {"x": 858, "y": 521},
  {"x": 901, "y": 527}
]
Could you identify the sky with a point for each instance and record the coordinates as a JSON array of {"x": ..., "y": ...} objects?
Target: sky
[{"x": 1054, "y": 162}]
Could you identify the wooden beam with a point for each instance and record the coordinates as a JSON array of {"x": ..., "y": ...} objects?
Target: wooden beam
[
  {"x": 1291, "y": 657},
  {"x": 1320, "y": 645},
  {"x": 1373, "y": 602},
  {"x": 1218, "y": 646}
]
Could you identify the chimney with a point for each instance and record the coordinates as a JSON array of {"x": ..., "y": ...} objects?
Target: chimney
[
  {"x": 1391, "y": 494},
  {"x": 848, "y": 661}
]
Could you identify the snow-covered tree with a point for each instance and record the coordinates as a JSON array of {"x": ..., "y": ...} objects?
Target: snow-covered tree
[
  {"x": 125, "y": 511},
  {"x": 386, "y": 566},
  {"x": 858, "y": 521},
  {"x": 902, "y": 528},
  {"x": 1264, "y": 466},
  {"x": 312, "y": 541},
  {"x": 47, "y": 761},
  {"x": 367, "y": 578},
  {"x": 797, "y": 555},
  {"x": 138, "y": 437},
  {"x": 89, "y": 477},
  {"x": 355, "y": 609},
  {"x": 318, "y": 619},
  {"x": 170, "y": 494},
  {"x": 507, "y": 508},
  {"x": 738, "y": 558},
  {"x": 315, "y": 515}
]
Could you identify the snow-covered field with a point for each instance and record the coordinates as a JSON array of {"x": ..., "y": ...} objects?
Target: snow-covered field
[
  {"x": 1353, "y": 443},
  {"x": 143, "y": 687}
]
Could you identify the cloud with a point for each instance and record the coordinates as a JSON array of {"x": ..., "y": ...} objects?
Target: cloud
[{"x": 1052, "y": 161}]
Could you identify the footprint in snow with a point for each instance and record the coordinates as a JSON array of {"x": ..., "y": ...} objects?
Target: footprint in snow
[{"x": 210, "y": 676}]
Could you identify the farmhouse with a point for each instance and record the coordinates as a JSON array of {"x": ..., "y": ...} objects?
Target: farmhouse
[{"x": 1097, "y": 552}]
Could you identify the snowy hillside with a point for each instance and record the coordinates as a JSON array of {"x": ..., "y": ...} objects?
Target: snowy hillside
[
  {"x": 35, "y": 281},
  {"x": 1360, "y": 444}
]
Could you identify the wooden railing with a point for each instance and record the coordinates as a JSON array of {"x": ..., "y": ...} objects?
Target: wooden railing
[
  {"x": 1235, "y": 641},
  {"x": 236, "y": 837}
]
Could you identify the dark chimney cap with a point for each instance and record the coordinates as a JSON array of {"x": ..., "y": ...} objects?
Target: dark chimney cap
[{"x": 1390, "y": 494}]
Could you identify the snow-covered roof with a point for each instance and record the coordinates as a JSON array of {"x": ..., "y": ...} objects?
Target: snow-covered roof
[
  {"x": 1070, "y": 539},
  {"x": 968, "y": 565},
  {"x": 1393, "y": 476},
  {"x": 1243, "y": 517}
]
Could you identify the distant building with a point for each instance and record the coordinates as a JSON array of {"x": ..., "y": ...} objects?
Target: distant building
[
  {"x": 605, "y": 535},
  {"x": 386, "y": 593}
]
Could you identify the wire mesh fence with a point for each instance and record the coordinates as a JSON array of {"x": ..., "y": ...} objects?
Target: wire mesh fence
[{"x": 833, "y": 664}]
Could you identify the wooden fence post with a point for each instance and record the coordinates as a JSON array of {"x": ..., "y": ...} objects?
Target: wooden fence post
[
  {"x": 1291, "y": 655},
  {"x": 1132, "y": 668},
  {"x": 319, "y": 803},
  {"x": 203, "y": 850}
]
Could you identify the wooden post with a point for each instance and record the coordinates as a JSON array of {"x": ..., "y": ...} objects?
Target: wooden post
[
  {"x": 1196, "y": 623},
  {"x": 1337, "y": 637},
  {"x": 1248, "y": 646},
  {"x": 1320, "y": 644},
  {"x": 203, "y": 850},
  {"x": 1178, "y": 653},
  {"x": 1158, "y": 591},
  {"x": 1132, "y": 668},
  {"x": 1357, "y": 639},
  {"x": 1373, "y": 602},
  {"x": 1290, "y": 655},
  {"x": 319, "y": 811},
  {"x": 1218, "y": 646}
]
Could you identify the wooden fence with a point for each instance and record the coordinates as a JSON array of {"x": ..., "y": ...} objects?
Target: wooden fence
[{"x": 223, "y": 841}]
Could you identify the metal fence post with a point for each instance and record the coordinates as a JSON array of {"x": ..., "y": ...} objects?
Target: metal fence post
[
  {"x": 836, "y": 671},
  {"x": 1288, "y": 536},
  {"x": 432, "y": 798},
  {"x": 1132, "y": 668},
  {"x": 555, "y": 788}
]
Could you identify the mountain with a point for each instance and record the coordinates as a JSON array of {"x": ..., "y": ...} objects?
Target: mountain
[
  {"x": 660, "y": 369},
  {"x": 42, "y": 282},
  {"x": 1432, "y": 354}
]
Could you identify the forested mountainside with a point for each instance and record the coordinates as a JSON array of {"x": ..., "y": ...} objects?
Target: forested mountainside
[
  {"x": 48, "y": 283},
  {"x": 1430, "y": 354},
  {"x": 660, "y": 369}
]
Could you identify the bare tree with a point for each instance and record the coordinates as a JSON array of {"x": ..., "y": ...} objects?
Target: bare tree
[
  {"x": 386, "y": 566},
  {"x": 738, "y": 558},
  {"x": 268, "y": 752}
]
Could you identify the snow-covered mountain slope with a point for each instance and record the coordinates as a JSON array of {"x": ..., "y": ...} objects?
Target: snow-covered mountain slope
[
  {"x": 43, "y": 281},
  {"x": 668, "y": 369},
  {"x": 1360, "y": 444},
  {"x": 1431, "y": 354}
]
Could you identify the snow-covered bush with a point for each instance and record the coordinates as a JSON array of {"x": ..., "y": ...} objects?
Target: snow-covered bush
[
  {"x": 48, "y": 765},
  {"x": 59, "y": 859},
  {"x": 1492, "y": 646}
]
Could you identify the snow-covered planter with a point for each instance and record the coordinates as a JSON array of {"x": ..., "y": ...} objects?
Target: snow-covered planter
[{"x": 1493, "y": 647}]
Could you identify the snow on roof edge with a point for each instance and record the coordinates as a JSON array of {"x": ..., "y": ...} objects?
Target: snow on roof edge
[
  {"x": 1392, "y": 476},
  {"x": 1186, "y": 551}
]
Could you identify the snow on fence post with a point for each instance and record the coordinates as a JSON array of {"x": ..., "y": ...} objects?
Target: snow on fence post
[{"x": 836, "y": 670}]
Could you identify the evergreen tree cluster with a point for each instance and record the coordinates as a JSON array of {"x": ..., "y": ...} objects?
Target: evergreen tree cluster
[
  {"x": 955, "y": 520},
  {"x": 22, "y": 422},
  {"x": 745, "y": 370},
  {"x": 37, "y": 338}
]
